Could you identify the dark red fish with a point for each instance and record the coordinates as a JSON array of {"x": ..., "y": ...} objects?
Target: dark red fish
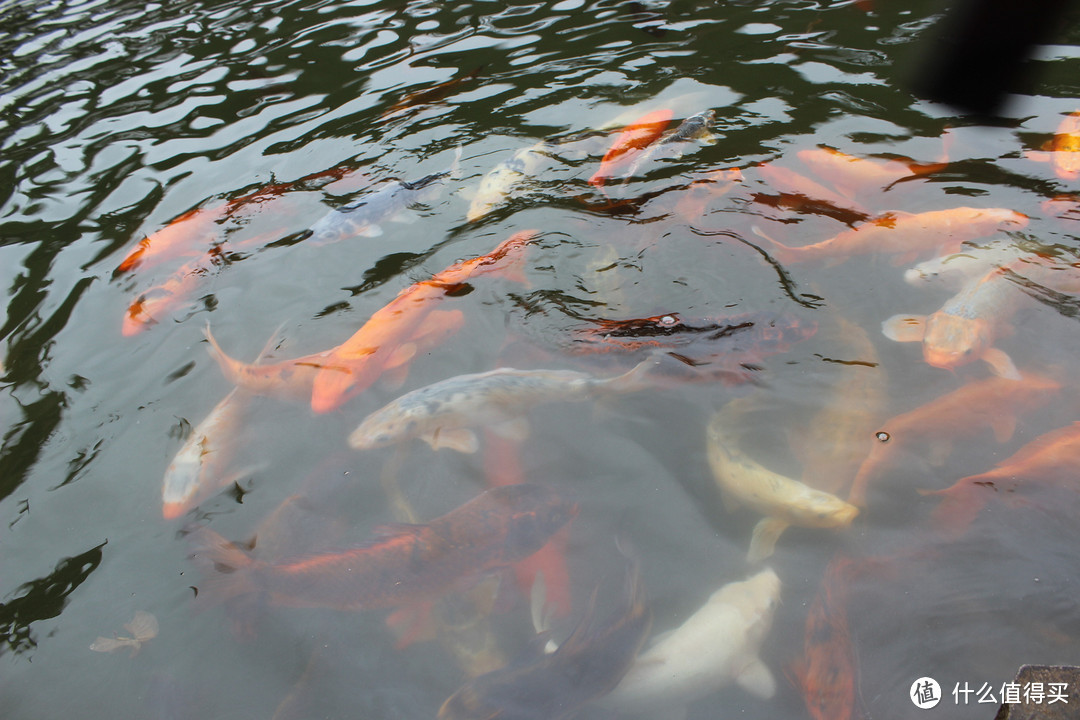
[
  {"x": 405, "y": 564},
  {"x": 723, "y": 348},
  {"x": 550, "y": 686},
  {"x": 827, "y": 671}
]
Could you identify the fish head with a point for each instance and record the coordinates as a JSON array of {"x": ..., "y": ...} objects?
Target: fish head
[
  {"x": 822, "y": 509},
  {"x": 954, "y": 340},
  {"x": 756, "y": 598},
  {"x": 387, "y": 426}
]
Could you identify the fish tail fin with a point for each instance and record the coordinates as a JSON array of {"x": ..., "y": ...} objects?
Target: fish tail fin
[
  {"x": 227, "y": 568},
  {"x": 780, "y": 252},
  {"x": 231, "y": 368}
]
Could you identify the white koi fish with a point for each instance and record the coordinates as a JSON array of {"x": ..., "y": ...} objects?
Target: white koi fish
[
  {"x": 782, "y": 500},
  {"x": 442, "y": 413},
  {"x": 496, "y": 186},
  {"x": 716, "y": 646}
]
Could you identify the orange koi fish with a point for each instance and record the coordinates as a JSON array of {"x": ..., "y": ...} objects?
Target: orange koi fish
[
  {"x": 555, "y": 685},
  {"x": 634, "y": 138},
  {"x": 355, "y": 364},
  {"x": 826, "y": 673},
  {"x": 853, "y": 175},
  {"x": 1063, "y": 150},
  {"x": 161, "y": 300},
  {"x": 793, "y": 185},
  {"x": 994, "y": 403},
  {"x": 404, "y": 564},
  {"x": 700, "y": 193},
  {"x": 294, "y": 379},
  {"x": 965, "y": 327},
  {"x": 905, "y": 235},
  {"x": 1053, "y": 456},
  {"x": 192, "y": 233}
]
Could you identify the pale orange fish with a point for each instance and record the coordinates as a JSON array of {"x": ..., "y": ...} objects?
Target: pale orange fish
[
  {"x": 1052, "y": 457},
  {"x": 994, "y": 403},
  {"x": 352, "y": 366},
  {"x": 158, "y": 302},
  {"x": 789, "y": 182},
  {"x": 294, "y": 379},
  {"x": 853, "y": 175},
  {"x": 1063, "y": 150},
  {"x": 905, "y": 235},
  {"x": 635, "y": 137},
  {"x": 194, "y": 232},
  {"x": 965, "y": 327}
]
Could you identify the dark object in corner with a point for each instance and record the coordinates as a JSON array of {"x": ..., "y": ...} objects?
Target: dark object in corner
[
  {"x": 1061, "y": 709},
  {"x": 978, "y": 52}
]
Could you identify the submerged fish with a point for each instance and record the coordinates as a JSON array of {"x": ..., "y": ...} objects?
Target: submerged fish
[
  {"x": 854, "y": 175},
  {"x": 404, "y": 564},
  {"x": 352, "y": 366},
  {"x": 633, "y": 139},
  {"x": 498, "y": 184},
  {"x": 362, "y": 217},
  {"x": 442, "y": 413},
  {"x": 696, "y": 128},
  {"x": 1052, "y": 457},
  {"x": 143, "y": 627},
  {"x": 545, "y": 685},
  {"x": 965, "y": 327},
  {"x": 198, "y": 469},
  {"x": 718, "y": 644},
  {"x": 194, "y": 232},
  {"x": 429, "y": 95},
  {"x": 905, "y": 235},
  {"x": 782, "y": 500},
  {"x": 826, "y": 672},
  {"x": 294, "y": 379},
  {"x": 969, "y": 263},
  {"x": 993, "y": 403},
  {"x": 1063, "y": 150}
]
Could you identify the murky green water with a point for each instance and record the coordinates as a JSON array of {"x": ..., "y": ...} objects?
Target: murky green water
[{"x": 116, "y": 118}]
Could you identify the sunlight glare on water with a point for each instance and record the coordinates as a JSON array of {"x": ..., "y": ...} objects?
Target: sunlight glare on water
[{"x": 284, "y": 174}]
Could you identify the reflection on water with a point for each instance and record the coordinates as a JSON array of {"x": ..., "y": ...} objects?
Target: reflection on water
[{"x": 287, "y": 172}]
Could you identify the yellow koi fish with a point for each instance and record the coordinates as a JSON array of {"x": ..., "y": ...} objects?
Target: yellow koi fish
[{"x": 782, "y": 500}]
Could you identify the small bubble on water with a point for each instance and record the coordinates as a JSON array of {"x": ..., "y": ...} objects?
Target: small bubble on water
[{"x": 882, "y": 436}]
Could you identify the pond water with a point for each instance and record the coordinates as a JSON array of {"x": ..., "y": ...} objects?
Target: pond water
[{"x": 117, "y": 118}]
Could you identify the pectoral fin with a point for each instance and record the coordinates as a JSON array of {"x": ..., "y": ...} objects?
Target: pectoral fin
[
  {"x": 757, "y": 679},
  {"x": 371, "y": 230},
  {"x": 401, "y": 355},
  {"x": 462, "y": 440},
  {"x": 763, "y": 541},
  {"x": 905, "y": 328},
  {"x": 1001, "y": 364}
]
